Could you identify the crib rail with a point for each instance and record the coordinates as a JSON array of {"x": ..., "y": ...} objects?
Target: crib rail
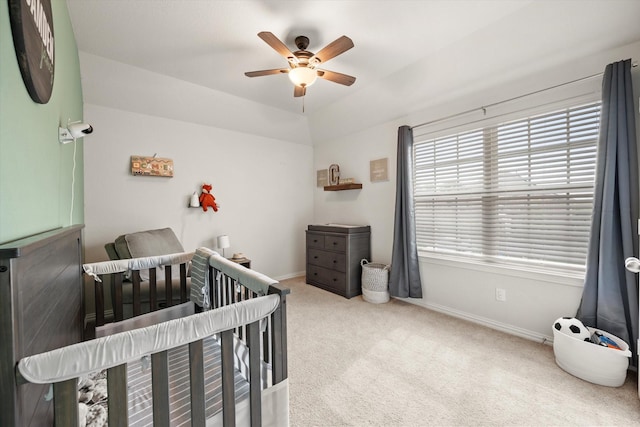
[
  {"x": 62, "y": 367},
  {"x": 231, "y": 283},
  {"x": 110, "y": 278},
  {"x": 228, "y": 284}
]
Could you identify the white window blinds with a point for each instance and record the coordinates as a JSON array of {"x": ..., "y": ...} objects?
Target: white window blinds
[{"x": 516, "y": 192}]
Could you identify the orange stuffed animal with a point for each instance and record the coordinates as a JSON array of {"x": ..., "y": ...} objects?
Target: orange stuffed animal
[{"x": 207, "y": 199}]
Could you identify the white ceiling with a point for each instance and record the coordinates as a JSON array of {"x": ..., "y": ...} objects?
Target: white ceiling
[{"x": 212, "y": 43}]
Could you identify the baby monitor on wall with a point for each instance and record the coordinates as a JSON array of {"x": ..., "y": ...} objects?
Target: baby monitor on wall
[{"x": 74, "y": 131}]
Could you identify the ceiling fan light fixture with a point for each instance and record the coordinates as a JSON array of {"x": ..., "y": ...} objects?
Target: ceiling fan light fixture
[
  {"x": 302, "y": 69},
  {"x": 303, "y": 76}
]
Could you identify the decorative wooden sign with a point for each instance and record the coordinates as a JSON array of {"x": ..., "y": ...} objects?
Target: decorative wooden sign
[
  {"x": 32, "y": 29},
  {"x": 151, "y": 166}
]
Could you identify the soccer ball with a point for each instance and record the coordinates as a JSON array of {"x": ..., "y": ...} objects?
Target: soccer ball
[{"x": 572, "y": 327}]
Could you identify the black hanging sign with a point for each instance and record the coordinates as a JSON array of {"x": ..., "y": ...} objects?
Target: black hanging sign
[{"x": 32, "y": 28}]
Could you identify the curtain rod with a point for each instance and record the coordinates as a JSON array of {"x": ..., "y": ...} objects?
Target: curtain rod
[{"x": 484, "y": 107}]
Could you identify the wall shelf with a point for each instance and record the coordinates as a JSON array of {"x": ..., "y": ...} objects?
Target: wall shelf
[{"x": 340, "y": 187}]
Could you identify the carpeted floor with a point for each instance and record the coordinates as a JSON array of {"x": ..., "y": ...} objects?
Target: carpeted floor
[{"x": 352, "y": 363}]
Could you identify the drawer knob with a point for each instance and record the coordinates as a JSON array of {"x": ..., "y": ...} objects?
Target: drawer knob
[
  {"x": 315, "y": 241},
  {"x": 315, "y": 257},
  {"x": 335, "y": 243},
  {"x": 335, "y": 261}
]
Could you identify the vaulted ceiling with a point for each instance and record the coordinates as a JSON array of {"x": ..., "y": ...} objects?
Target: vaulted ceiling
[{"x": 398, "y": 43}]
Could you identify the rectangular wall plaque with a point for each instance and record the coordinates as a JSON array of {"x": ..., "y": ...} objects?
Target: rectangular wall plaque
[
  {"x": 378, "y": 170},
  {"x": 322, "y": 178},
  {"x": 151, "y": 166}
]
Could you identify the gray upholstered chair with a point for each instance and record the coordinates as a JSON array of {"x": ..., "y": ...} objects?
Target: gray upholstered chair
[{"x": 148, "y": 243}]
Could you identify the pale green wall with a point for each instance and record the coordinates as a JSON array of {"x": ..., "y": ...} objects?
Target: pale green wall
[{"x": 35, "y": 169}]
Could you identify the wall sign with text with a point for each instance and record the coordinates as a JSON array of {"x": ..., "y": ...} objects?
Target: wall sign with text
[
  {"x": 32, "y": 29},
  {"x": 151, "y": 166}
]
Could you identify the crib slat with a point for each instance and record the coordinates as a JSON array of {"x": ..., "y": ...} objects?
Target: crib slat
[
  {"x": 240, "y": 331},
  {"x": 183, "y": 283},
  {"x": 160, "y": 388},
  {"x": 255, "y": 386},
  {"x": 168, "y": 286},
  {"x": 65, "y": 406},
  {"x": 117, "y": 392},
  {"x": 228, "y": 383},
  {"x": 222, "y": 291},
  {"x": 153, "y": 296},
  {"x": 118, "y": 311},
  {"x": 214, "y": 289},
  {"x": 196, "y": 363},
  {"x": 99, "y": 298},
  {"x": 266, "y": 341},
  {"x": 137, "y": 310},
  {"x": 228, "y": 290}
]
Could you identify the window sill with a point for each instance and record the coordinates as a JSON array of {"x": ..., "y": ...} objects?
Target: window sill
[{"x": 567, "y": 278}]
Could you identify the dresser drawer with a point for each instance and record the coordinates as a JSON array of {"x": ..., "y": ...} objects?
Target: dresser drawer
[
  {"x": 315, "y": 240},
  {"x": 331, "y": 260},
  {"x": 333, "y": 280},
  {"x": 335, "y": 243}
]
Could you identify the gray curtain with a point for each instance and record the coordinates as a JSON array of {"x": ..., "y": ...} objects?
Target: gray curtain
[
  {"x": 610, "y": 294},
  {"x": 404, "y": 280}
]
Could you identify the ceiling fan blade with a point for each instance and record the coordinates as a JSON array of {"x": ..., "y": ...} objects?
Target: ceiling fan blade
[
  {"x": 277, "y": 45},
  {"x": 299, "y": 91},
  {"x": 340, "y": 78},
  {"x": 266, "y": 72},
  {"x": 333, "y": 49}
]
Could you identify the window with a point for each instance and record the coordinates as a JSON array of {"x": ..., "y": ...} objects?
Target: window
[{"x": 516, "y": 192}]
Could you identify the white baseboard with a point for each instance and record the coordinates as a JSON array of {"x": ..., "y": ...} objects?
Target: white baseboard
[
  {"x": 290, "y": 275},
  {"x": 490, "y": 323}
]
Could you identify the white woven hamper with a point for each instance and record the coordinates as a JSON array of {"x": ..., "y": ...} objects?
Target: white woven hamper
[{"x": 375, "y": 282}]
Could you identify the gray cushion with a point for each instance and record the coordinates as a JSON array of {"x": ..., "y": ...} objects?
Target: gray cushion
[
  {"x": 149, "y": 243},
  {"x": 120, "y": 246},
  {"x": 152, "y": 242},
  {"x": 111, "y": 251}
]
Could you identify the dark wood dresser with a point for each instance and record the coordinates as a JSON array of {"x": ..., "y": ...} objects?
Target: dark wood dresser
[
  {"x": 41, "y": 309},
  {"x": 333, "y": 257}
]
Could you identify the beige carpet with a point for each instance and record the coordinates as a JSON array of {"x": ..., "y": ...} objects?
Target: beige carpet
[{"x": 352, "y": 363}]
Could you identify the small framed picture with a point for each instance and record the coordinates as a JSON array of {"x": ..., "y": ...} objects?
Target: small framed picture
[
  {"x": 378, "y": 170},
  {"x": 322, "y": 178}
]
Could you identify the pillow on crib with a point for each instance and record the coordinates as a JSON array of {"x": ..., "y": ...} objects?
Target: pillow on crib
[{"x": 150, "y": 243}]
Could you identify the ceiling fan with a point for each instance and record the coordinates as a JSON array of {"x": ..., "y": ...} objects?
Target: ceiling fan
[{"x": 303, "y": 65}]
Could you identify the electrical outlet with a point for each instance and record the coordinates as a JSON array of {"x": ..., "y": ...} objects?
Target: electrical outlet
[{"x": 501, "y": 294}]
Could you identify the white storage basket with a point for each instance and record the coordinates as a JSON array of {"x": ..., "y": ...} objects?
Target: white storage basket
[
  {"x": 591, "y": 362},
  {"x": 375, "y": 282}
]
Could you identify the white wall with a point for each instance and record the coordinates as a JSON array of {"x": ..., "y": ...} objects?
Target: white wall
[
  {"x": 263, "y": 187},
  {"x": 257, "y": 158},
  {"x": 534, "y": 300},
  {"x": 374, "y": 205}
]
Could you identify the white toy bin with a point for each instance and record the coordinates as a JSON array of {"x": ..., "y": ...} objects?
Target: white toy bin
[{"x": 592, "y": 362}]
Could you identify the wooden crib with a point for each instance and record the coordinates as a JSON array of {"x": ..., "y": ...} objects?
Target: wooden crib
[{"x": 227, "y": 310}]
